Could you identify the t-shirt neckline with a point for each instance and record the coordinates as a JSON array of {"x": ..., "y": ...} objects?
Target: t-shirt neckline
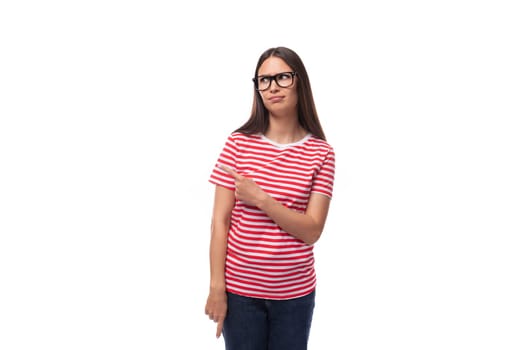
[{"x": 285, "y": 145}]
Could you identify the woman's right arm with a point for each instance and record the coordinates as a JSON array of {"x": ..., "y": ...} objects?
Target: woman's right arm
[{"x": 222, "y": 208}]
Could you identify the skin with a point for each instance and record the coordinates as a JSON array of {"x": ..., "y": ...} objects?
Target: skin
[
  {"x": 216, "y": 304},
  {"x": 283, "y": 128}
]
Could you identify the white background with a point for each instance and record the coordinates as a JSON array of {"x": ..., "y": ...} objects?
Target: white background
[{"x": 114, "y": 112}]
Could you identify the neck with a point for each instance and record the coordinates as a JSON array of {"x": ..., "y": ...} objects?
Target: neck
[{"x": 285, "y": 130}]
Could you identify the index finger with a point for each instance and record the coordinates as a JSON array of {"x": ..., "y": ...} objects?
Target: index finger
[
  {"x": 230, "y": 171},
  {"x": 219, "y": 328}
]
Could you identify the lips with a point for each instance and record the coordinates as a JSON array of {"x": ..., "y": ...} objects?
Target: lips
[{"x": 275, "y": 99}]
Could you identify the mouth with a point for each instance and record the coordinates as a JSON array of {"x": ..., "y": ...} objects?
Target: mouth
[{"x": 275, "y": 99}]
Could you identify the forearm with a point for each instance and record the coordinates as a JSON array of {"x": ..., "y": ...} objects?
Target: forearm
[
  {"x": 300, "y": 225},
  {"x": 218, "y": 243}
]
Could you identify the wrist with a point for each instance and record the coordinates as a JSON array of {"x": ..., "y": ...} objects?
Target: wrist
[
  {"x": 217, "y": 288},
  {"x": 263, "y": 201}
]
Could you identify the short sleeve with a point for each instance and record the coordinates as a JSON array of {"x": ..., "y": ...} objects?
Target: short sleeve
[
  {"x": 227, "y": 157},
  {"x": 323, "y": 181}
]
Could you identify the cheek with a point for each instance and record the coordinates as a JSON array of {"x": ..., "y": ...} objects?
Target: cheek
[
  {"x": 294, "y": 99},
  {"x": 263, "y": 99}
]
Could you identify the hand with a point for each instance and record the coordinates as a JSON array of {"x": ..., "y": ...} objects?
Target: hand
[
  {"x": 246, "y": 189},
  {"x": 216, "y": 307}
]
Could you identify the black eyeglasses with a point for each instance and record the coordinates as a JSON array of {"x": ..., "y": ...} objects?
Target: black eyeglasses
[{"x": 284, "y": 80}]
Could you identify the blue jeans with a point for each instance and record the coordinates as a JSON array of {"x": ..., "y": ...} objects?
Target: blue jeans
[{"x": 263, "y": 324}]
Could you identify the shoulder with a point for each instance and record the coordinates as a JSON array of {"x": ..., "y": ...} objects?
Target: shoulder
[
  {"x": 240, "y": 138},
  {"x": 237, "y": 141},
  {"x": 319, "y": 145}
]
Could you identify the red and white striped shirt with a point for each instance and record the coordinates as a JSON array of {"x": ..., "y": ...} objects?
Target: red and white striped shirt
[{"x": 262, "y": 260}]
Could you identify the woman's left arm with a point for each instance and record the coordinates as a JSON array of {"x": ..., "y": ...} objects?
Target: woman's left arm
[{"x": 306, "y": 227}]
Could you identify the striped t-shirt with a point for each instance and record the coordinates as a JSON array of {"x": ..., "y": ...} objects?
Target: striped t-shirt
[{"x": 262, "y": 260}]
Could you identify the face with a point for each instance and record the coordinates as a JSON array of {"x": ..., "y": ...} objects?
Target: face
[{"x": 276, "y": 99}]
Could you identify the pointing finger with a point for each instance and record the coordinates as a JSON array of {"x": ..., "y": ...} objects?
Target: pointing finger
[
  {"x": 219, "y": 328},
  {"x": 230, "y": 171}
]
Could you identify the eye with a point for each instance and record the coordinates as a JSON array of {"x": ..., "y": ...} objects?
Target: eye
[
  {"x": 284, "y": 76},
  {"x": 264, "y": 80}
]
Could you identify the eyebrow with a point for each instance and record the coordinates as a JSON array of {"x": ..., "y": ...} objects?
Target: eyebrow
[{"x": 272, "y": 75}]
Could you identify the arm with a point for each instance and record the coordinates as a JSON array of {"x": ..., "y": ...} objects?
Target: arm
[
  {"x": 306, "y": 227},
  {"x": 222, "y": 208}
]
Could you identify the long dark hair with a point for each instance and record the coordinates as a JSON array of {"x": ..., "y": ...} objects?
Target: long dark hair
[{"x": 308, "y": 119}]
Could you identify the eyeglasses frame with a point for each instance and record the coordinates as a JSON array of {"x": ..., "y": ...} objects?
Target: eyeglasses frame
[{"x": 272, "y": 78}]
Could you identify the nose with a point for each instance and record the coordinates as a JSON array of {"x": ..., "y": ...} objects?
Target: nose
[{"x": 273, "y": 85}]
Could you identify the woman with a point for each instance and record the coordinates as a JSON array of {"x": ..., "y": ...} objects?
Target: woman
[{"x": 274, "y": 181}]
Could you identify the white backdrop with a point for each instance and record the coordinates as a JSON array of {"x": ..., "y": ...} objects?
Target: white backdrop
[{"x": 114, "y": 112}]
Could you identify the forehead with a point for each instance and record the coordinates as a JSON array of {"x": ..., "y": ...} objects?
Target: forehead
[{"x": 273, "y": 65}]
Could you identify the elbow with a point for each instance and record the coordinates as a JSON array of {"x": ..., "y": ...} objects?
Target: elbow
[
  {"x": 312, "y": 237},
  {"x": 310, "y": 241},
  {"x": 313, "y": 234}
]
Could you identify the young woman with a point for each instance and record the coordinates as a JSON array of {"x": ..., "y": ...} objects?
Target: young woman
[{"x": 274, "y": 181}]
